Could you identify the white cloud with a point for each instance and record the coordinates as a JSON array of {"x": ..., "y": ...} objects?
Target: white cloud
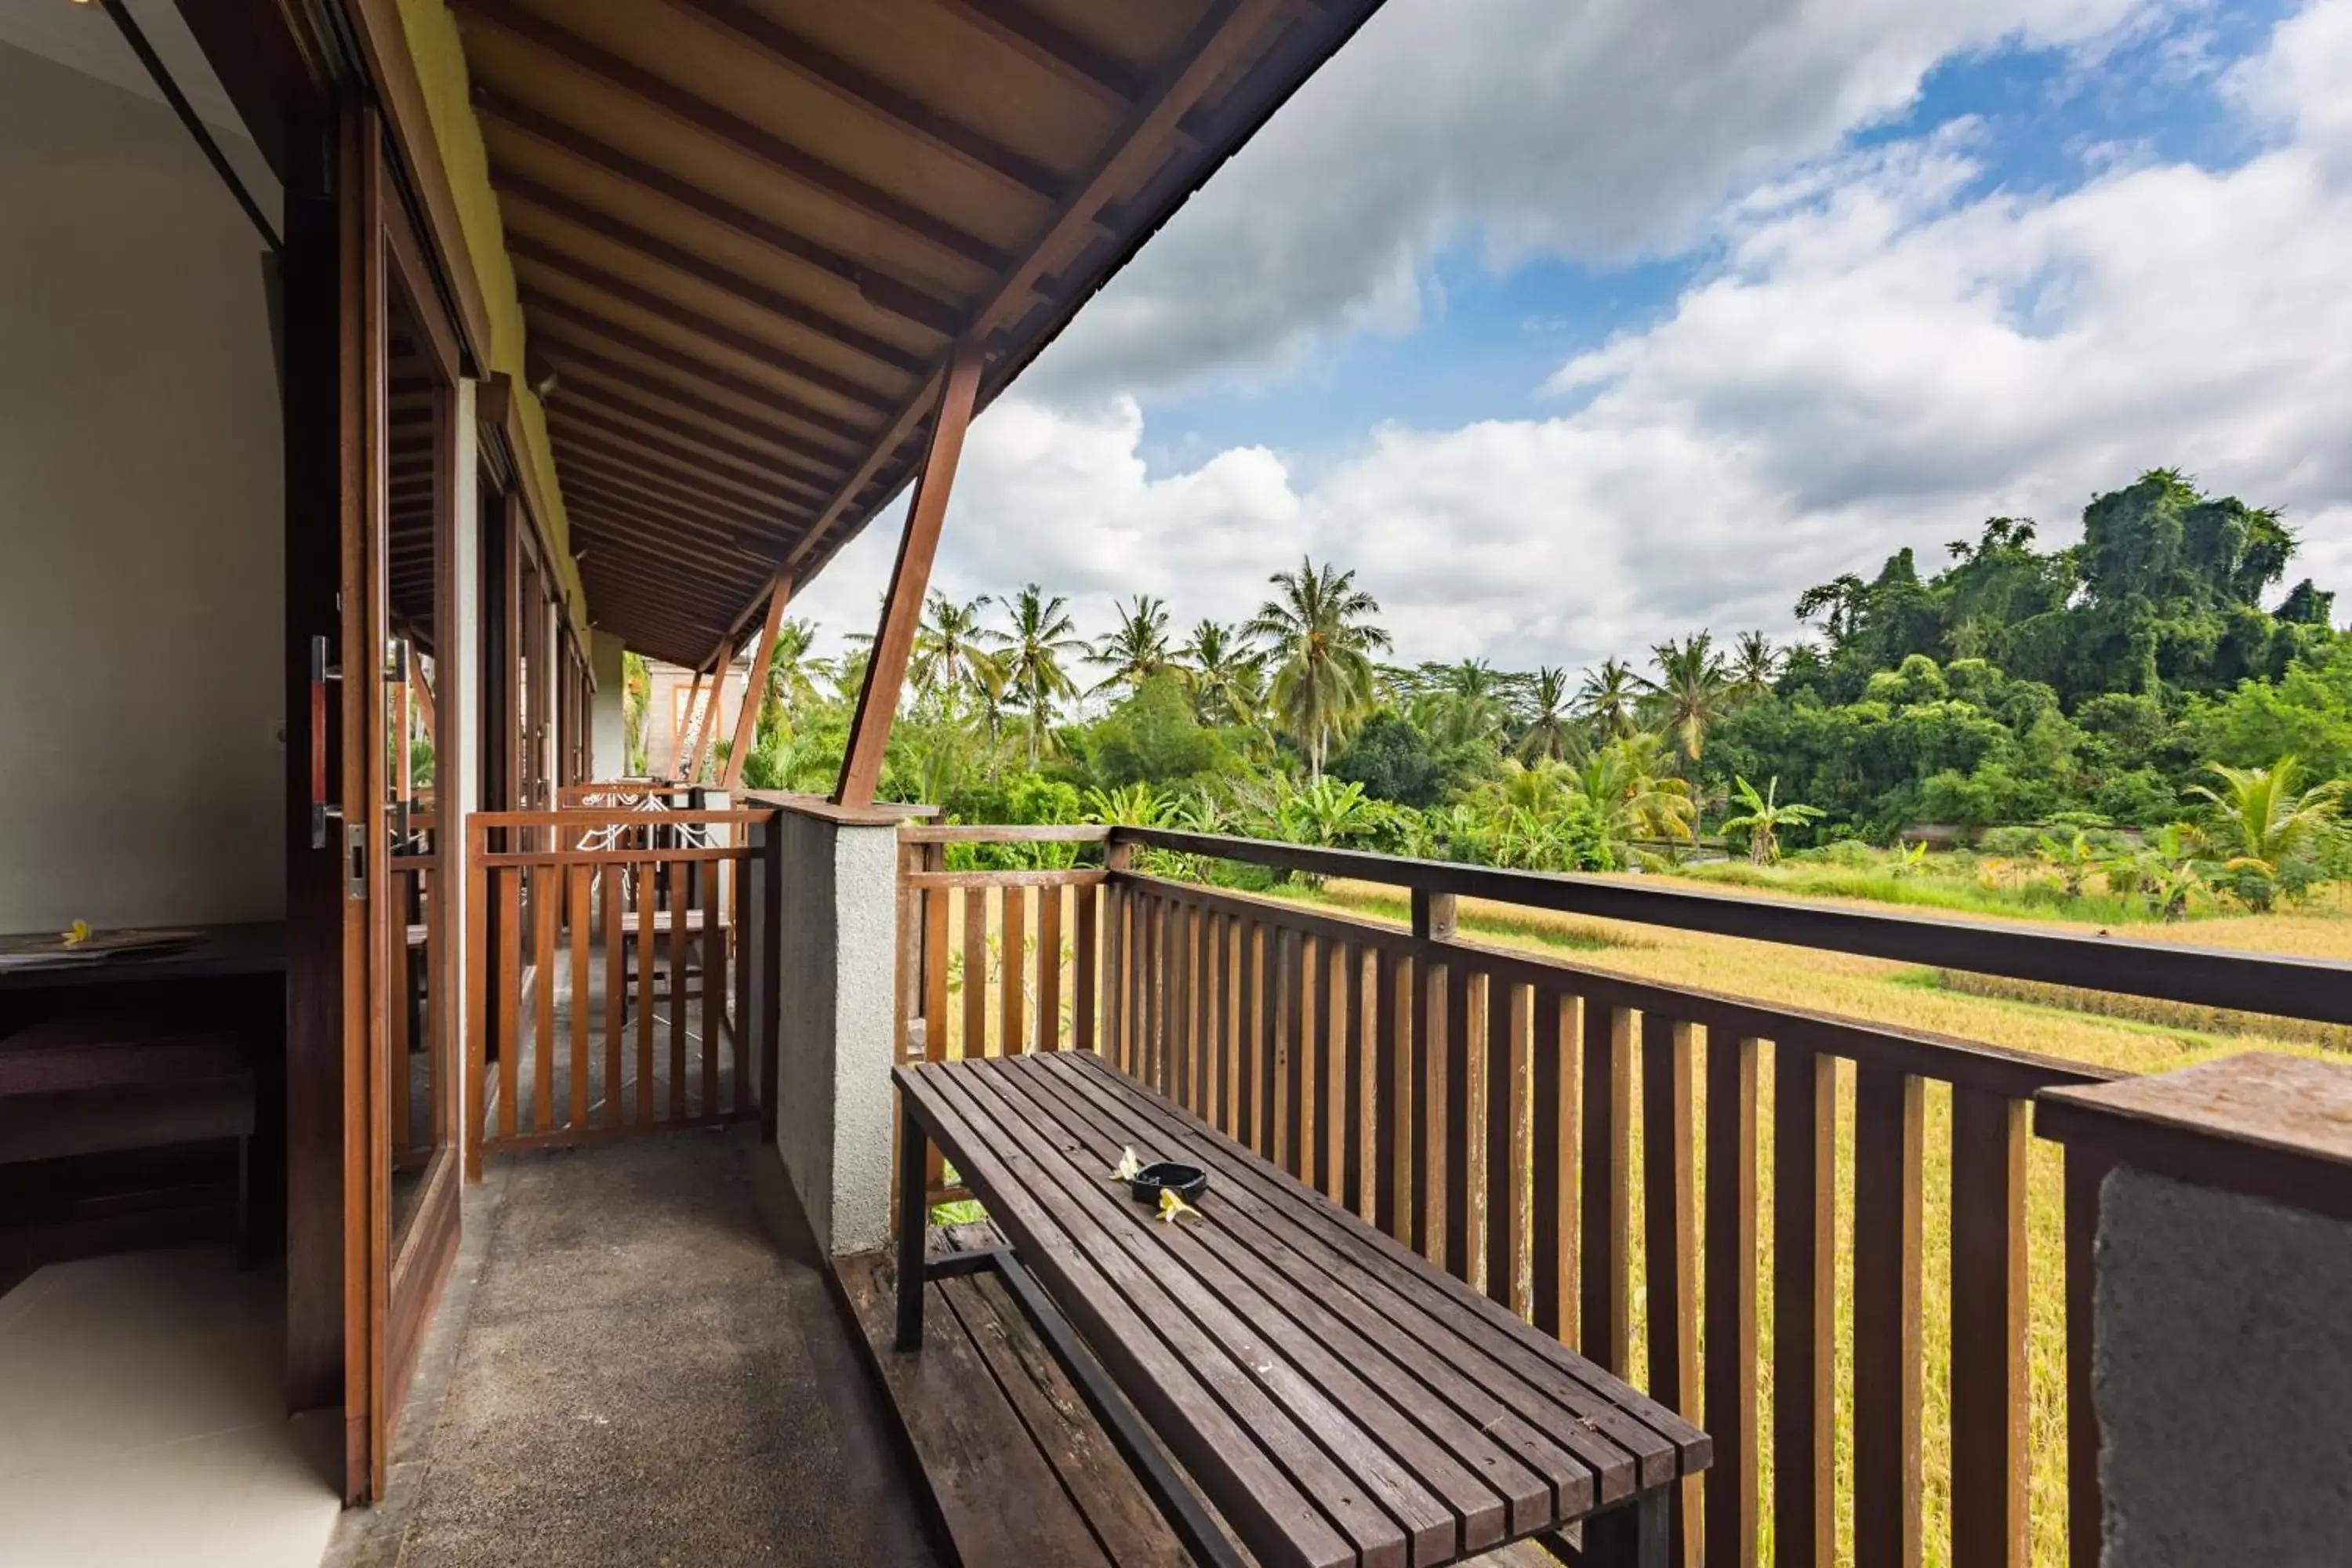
[
  {"x": 1602, "y": 130},
  {"x": 1881, "y": 359}
]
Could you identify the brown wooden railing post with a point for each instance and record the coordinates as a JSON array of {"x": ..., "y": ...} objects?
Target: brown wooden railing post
[
  {"x": 1670, "y": 1244},
  {"x": 1990, "y": 1394},
  {"x": 1888, "y": 1121},
  {"x": 1730, "y": 1266},
  {"x": 1804, "y": 1123},
  {"x": 2086, "y": 1173},
  {"x": 1434, "y": 916},
  {"x": 1607, "y": 1336}
]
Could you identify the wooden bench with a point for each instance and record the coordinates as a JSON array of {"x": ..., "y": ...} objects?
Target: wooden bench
[
  {"x": 99, "y": 1085},
  {"x": 1335, "y": 1398}
]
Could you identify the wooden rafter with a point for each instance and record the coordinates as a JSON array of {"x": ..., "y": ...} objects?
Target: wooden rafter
[
  {"x": 911, "y": 579},
  {"x": 570, "y": 354}
]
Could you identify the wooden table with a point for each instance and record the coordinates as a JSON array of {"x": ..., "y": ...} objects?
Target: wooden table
[{"x": 1336, "y": 1398}]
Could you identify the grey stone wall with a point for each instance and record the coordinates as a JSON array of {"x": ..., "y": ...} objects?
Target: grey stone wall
[{"x": 2224, "y": 1379}]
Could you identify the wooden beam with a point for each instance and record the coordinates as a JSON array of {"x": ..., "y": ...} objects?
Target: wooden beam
[
  {"x": 841, "y": 79},
  {"x": 883, "y": 292},
  {"x": 661, "y": 306},
  {"x": 693, "y": 699},
  {"x": 570, "y": 317},
  {"x": 704, "y": 454},
  {"x": 911, "y": 579},
  {"x": 741, "y": 747},
  {"x": 1069, "y": 57},
  {"x": 571, "y": 356},
  {"x": 712, "y": 701},
  {"x": 755, "y": 142}
]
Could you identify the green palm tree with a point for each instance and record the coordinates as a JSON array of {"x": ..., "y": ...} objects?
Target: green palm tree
[
  {"x": 1765, "y": 816},
  {"x": 1137, "y": 649},
  {"x": 1465, "y": 708},
  {"x": 2261, "y": 821},
  {"x": 1755, "y": 666},
  {"x": 1029, "y": 655},
  {"x": 1630, "y": 783},
  {"x": 1607, "y": 700},
  {"x": 949, "y": 644},
  {"x": 1688, "y": 695},
  {"x": 1319, "y": 631},
  {"x": 1551, "y": 733},
  {"x": 1220, "y": 665}
]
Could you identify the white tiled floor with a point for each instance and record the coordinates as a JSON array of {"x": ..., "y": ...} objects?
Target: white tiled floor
[{"x": 141, "y": 1420}]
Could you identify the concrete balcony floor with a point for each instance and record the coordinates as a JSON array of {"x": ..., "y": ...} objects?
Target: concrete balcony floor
[{"x": 627, "y": 1367}]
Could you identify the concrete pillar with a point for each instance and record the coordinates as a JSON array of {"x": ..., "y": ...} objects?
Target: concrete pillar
[
  {"x": 608, "y": 727},
  {"x": 836, "y": 947},
  {"x": 2222, "y": 1369}
]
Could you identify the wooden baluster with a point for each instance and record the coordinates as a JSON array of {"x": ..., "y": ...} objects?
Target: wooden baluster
[
  {"x": 478, "y": 1003},
  {"x": 703, "y": 894},
  {"x": 1182, "y": 949},
  {"x": 1314, "y": 1068},
  {"x": 1888, "y": 1117},
  {"x": 976, "y": 971},
  {"x": 1011, "y": 971},
  {"x": 739, "y": 1008},
  {"x": 1289, "y": 1003},
  {"x": 935, "y": 972},
  {"x": 1730, "y": 1263},
  {"x": 1082, "y": 1032},
  {"x": 1552, "y": 1085},
  {"x": 1607, "y": 1223},
  {"x": 1249, "y": 1034},
  {"x": 617, "y": 987},
  {"x": 1464, "y": 989},
  {"x": 1804, "y": 1177},
  {"x": 1349, "y": 1031},
  {"x": 544, "y": 882},
  {"x": 1391, "y": 1090},
  {"x": 1428, "y": 1162},
  {"x": 581, "y": 977},
  {"x": 1670, "y": 1246},
  {"x": 1990, "y": 1396},
  {"x": 648, "y": 904},
  {"x": 1049, "y": 968},
  {"x": 509, "y": 880},
  {"x": 1509, "y": 1010},
  {"x": 1208, "y": 983},
  {"x": 676, "y": 894}
]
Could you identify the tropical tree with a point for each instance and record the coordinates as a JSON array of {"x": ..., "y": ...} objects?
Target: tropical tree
[
  {"x": 1630, "y": 783},
  {"x": 1138, "y": 648},
  {"x": 1221, "y": 668},
  {"x": 636, "y": 696},
  {"x": 1465, "y": 709},
  {"x": 1688, "y": 694},
  {"x": 1765, "y": 816},
  {"x": 950, "y": 645},
  {"x": 1609, "y": 699},
  {"x": 794, "y": 671},
  {"x": 1550, "y": 731},
  {"x": 1319, "y": 631},
  {"x": 1030, "y": 652},
  {"x": 1755, "y": 665},
  {"x": 2262, "y": 822}
]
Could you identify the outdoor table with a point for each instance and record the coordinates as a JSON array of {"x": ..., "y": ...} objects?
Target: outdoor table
[{"x": 1334, "y": 1396}]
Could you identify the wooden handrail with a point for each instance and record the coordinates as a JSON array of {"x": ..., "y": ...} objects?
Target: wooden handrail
[{"x": 2274, "y": 983}]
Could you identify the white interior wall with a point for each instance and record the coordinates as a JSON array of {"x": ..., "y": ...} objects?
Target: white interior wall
[{"x": 142, "y": 581}]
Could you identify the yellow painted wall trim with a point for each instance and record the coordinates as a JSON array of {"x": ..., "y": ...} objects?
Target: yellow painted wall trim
[{"x": 439, "y": 56}]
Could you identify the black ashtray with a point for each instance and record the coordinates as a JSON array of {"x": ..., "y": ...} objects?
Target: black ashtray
[{"x": 1187, "y": 1182}]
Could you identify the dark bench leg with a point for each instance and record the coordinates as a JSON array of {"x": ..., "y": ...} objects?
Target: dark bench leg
[
  {"x": 914, "y": 1213},
  {"x": 1630, "y": 1535}
]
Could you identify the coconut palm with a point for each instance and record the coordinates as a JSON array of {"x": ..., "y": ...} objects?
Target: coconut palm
[
  {"x": 1551, "y": 733},
  {"x": 1138, "y": 648},
  {"x": 1465, "y": 708},
  {"x": 1320, "y": 633},
  {"x": 1630, "y": 783},
  {"x": 1688, "y": 695},
  {"x": 2261, "y": 821},
  {"x": 1221, "y": 668},
  {"x": 1608, "y": 698},
  {"x": 1029, "y": 654},
  {"x": 1765, "y": 816},
  {"x": 949, "y": 644},
  {"x": 794, "y": 671},
  {"x": 1756, "y": 664}
]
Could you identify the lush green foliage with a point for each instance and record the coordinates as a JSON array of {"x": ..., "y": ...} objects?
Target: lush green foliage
[{"x": 2165, "y": 741}]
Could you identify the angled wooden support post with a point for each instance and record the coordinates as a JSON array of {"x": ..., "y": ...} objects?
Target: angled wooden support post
[
  {"x": 911, "y": 581},
  {"x": 719, "y": 659},
  {"x": 744, "y": 718}
]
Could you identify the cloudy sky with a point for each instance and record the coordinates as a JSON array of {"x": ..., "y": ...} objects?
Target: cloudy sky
[{"x": 1573, "y": 324}]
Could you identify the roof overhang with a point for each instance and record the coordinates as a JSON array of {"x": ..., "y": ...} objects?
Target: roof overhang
[{"x": 748, "y": 237}]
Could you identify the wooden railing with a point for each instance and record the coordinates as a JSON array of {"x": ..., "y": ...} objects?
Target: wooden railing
[
  {"x": 646, "y": 939},
  {"x": 1727, "y": 1202}
]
